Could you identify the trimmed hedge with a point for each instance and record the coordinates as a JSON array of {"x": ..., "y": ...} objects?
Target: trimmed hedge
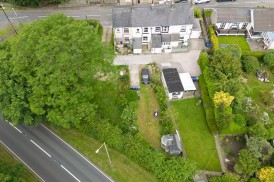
[
  {"x": 203, "y": 60},
  {"x": 258, "y": 54},
  {"x": 208, "y": 106},
  {"x": 213, "y": 38}
]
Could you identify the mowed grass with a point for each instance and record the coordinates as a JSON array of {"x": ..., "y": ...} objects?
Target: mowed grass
[
  {"x": 9, "y": 159},
  {"x": 149, "y": 125},
  {"x": 197, "y": 139},
  {"x": 122, "y": 168},
  {"x": 239, "y": 40}
]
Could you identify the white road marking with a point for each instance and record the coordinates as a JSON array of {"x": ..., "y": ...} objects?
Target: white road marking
[
  {"x": 18, "y": 17},
  {"x": 70, "y": 173},
  {"x": 74, "y": 16},
  {"x": 40, "y": 148},
  {"x": 15, "y": 128},
  {"x": 22, "y": 161},
  {"x": 251, "y": 2},
  {"x": 93, "y": 15},
  {"x": 109, "y": 14},
  {"x": 41, "y": 16},
  {"x": 77, "y": 152}
]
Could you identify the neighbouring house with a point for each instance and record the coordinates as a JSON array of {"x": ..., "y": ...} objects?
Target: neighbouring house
[
  {"x": 154, "y": 28},
  {"x": 188, "y": 85},
  {"x": 254, "y": 23},
  {"x": 171, "y": 144},
  {"x": 172, "y": 83}
]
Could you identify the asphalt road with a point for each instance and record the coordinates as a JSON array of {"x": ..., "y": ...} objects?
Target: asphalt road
[{"x": 47, "y": 155}]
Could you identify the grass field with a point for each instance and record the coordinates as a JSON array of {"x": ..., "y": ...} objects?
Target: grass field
[
  {"x": 195, "y": 133},
  {"x": 149, "y": 125},
  {"x": 122, "y": 169},
  {"x": 239, "y": 40},
  {"x": 9, "y": 159}
]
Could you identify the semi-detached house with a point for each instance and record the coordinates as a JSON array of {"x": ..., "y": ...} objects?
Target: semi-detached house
[{"x": 154, "y": 28}]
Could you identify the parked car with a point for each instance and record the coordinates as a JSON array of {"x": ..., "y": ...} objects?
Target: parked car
[
  {"x": 145, "y": 76},
  {"x": 181, "y": 1},
  {"x": 201, "y": 1},
  {"x": 224, "y": 0}
]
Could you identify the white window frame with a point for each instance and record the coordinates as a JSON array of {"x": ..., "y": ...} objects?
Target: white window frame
[
  {"x": 157, "y": 29},
  {"x": 165, "y": 29},
  {"x": 145, "y": 39},
  {"x": 126, "y": 39},
  {"x": 145, "y": 30},
  {"x": 183, "y": 29},
  {"x": 126, "y": 30}
]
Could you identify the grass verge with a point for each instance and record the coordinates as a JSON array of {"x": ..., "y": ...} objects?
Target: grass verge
[
  {"x": 122, "y": 169},
  {"x": 149, "y": 125},
  {"x": 239, "y": 40},
  {"x": 197, "y": 138},
  {"x": 10, "y": 160}
]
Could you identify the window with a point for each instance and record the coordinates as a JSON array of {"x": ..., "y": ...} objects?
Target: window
[
  {"x": 244, "y": 25},
  {"x": 146, "y": 30},
  {"x": 157, "y": 29},
  {"x": 118, "y": 30},
  {"x": 234, "y": 26},
  {"x": 222, "y": 26},
  {"x": 137, "y": 31},
  {"x": 183, "y": 29},
  {"x": 165, "y": 29},
  {"x": 126, "y": 30},
  {"x": 166, "y": 43},
  {"x": 182, "y": 38},
  {"x": 126, "y": 39},
  {"x": 145, "y": 39}
]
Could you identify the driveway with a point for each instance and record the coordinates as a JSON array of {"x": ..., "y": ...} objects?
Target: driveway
[{"x": 184, "y": 62}]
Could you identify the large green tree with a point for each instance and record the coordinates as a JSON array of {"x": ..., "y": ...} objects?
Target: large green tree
[
  {"x": 47, "y": 72},
  {"x": 260, "y": 147}
]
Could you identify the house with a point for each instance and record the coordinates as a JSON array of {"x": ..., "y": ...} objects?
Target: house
[
  {"x": 254, "y": 23},
  {"x": 154, "y": 28},
  {"x": 171, "y": 81},
  {"x": 134, "y": 2},
  {"x": 231, "y": 21},
  {"x": 171, "y": 144},
  {"x": 188, "y": 85}
]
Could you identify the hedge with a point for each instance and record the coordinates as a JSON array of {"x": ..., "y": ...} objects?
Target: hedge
[
  {"x": 208, "y": 105},
  {"x": 213, "y": 38},
  {"x": 203, "y": 60},
  {"x": 97, "y": 26},
  {"x": 258, "y": 54}
]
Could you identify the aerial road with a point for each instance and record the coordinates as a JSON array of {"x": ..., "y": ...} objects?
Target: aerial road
[{"x": 48, "y": 156}]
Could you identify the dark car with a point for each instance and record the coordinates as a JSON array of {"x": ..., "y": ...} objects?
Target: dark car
[
  {"x": 145, "y": 76},
  {"x": 224, "y": 0}
]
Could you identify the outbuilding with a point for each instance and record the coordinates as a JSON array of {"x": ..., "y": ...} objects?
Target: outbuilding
[{"x": 188, "y": 85}]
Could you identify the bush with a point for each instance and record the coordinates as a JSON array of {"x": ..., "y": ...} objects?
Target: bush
[
  {"x": 208, "y": 106},
  {"x": 250, "y": 64},
  {"x": 269, "y": 58},
  {"x": 203, "y": 60},
  {"x": 197, "y": 13},
  {"x": 131, "y": 95},
  {"x": 208, "y": 13},
  {"x": 213, "y": 38},
  {"x": 235, "y": 50},
  {"x": 258, "y": 54}
]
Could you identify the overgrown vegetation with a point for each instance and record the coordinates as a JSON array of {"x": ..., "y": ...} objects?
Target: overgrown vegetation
[
  {"x": 197, "y": 13},
  {"x": 208, "y": 13},
  {"x": 34, "y": 2},
  {"x": 214, "y": 40}
]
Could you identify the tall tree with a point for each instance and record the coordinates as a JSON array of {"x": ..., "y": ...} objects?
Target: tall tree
[
  {"x": 260, "y": 147},
  {"x": 49, "y": 72}
]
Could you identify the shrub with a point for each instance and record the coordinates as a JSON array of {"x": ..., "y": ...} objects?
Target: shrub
[
  {"x": 208, "y": 13},
  {"x": 250, "y": 64},
  {"x": 197, "y": 13},
  {"x": 213, "y": 38},
  {"x": 240, "y": 120},
  {"x": 131, "y": 95},
  {"x": 203, "y": 60},
  {"x": 269, "y": 58},
  {"x": 235, "y": 50},
  {"x": 258, "y": 54},
  {"x": 208, "y": 106}
]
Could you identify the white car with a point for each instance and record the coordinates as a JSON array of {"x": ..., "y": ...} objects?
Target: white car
[{"x": 201, "y": 1}]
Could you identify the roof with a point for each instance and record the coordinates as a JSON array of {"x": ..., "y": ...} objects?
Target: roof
[
  {"x": 196, "y": 25},
  {"x": 263, "y": 20},
  {"x": 137, "y": 43},
  {"x": 231, "y": 15},
  {"x": 270, "y": 35},
  {"x": 156, "y": 15},
  {"x": 173, "y": 81},
  {"x": 172, "y": 142},
  {"x": 156, "y": 41},
  {"x": 187, "y": 81},
  {"x": 175, "y": 37}
]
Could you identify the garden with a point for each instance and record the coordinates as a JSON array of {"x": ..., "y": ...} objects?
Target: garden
[
  {"x": 198, "y": 141},
  {"x": 238, "y": 40}
]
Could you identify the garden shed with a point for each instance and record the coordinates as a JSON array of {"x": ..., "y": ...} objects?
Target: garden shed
[
  {"x": 171, "y": 144},
  {"x": 188, "y": 85},
  {"x": 171, "y": 81}
]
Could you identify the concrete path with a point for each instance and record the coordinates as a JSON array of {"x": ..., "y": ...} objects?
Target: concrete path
[
  {"x": 218, "y": 148},
  {"x": 184, "y": 62},
  {"x": 107, "y": 32}
]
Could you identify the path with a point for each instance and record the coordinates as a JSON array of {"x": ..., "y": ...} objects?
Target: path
[
  {"x": 107, "y": 33},
  {"x": 218, "y": 148}
]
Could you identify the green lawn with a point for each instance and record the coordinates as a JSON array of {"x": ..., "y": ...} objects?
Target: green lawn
[
  {"x": 9, "y": 159},
  {"x": 195, "y": 133},
  {"x": 239, "y": 40},
  {"x": 122, "y": 169},
  {"x": 149, "y": 125}
]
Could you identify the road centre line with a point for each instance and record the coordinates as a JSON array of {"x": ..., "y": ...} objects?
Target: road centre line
[
  {"x": 15, "y": 128},
  {"x": 40, "y": 148},
  {"x": 77, "y": 152},
  {"x": 18, "y": 17},
  {"x": 22, "y": 161},
  {"x": 70, "y": 173}
]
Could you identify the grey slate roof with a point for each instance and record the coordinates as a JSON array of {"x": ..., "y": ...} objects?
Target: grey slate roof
[
  {"x": 175, "y": 37},
  {"x": 137, "y": 43},
  {"x": 156, "y": 41},
  {"x": 231, "y": 15},
  {"x": 172, "y": 143},
  {"x": 157, "y": 15},
  {"x": 264, "y": 20},
  {"x": 173, "y": 80}
]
